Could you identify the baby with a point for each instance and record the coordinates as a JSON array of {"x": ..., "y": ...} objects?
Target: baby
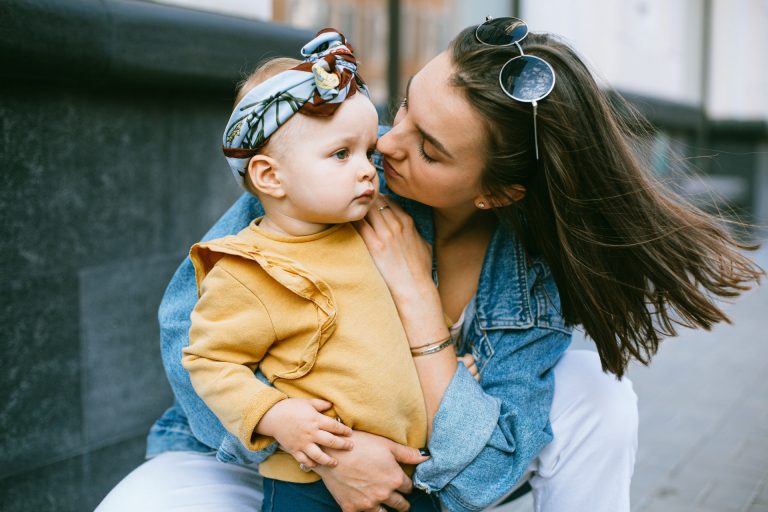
[{"x": 296, "y": 294}]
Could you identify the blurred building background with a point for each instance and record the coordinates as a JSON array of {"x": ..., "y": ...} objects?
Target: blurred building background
[{"x": 110, "y": 120}]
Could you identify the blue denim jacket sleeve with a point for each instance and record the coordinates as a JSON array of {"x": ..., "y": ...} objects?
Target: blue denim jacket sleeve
[
  {"x": 485, "y": 434},
  {"x": 174, "y": 317}
]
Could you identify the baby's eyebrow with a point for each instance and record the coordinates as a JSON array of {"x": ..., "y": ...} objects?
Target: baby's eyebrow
[
  {"x": 429, "y": 138},
  {"x": 352, "y": 140}
]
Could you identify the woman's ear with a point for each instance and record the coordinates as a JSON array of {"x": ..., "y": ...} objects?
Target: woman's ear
[
  {"x": 263, "y": 173},
  {"x": 511, "y": 194}
]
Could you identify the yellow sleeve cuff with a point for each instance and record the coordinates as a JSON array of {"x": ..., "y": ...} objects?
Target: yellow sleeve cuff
[{"x": 258, "y": 408}]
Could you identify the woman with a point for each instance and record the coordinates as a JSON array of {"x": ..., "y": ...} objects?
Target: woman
[{"x": 538, "y": 217}]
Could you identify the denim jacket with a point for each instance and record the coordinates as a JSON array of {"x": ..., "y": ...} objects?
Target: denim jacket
[{"x": 485, "y": 433}]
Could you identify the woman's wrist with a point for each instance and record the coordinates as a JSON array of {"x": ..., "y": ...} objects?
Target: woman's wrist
[
  {"x": 423, "y": 318},
  {"x": 412, "y": 289},
  {"x": 432, "y": 348}
]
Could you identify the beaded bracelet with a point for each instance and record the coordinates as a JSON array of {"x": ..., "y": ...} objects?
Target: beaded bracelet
[{"x": 431, "y": 348}]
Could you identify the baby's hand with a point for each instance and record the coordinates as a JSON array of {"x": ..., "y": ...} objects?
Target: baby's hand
[
  {"x": 469, "y": 362},
  {"x": 301, "y": 429}
]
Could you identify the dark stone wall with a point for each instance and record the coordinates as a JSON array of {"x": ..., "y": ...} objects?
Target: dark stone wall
[{"x": 109, "y": 173}]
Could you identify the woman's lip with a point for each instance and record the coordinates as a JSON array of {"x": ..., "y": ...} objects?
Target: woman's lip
[{"x": 388, "y": 169}]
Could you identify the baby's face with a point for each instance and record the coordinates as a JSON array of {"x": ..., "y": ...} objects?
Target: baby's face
[{"x": 325, "y": 164}]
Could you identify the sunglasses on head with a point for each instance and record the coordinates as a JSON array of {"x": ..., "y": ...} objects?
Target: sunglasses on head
[{"x": 524, "y": 78}]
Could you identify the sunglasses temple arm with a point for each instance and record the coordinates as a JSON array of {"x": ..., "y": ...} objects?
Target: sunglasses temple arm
[{"x": 535, "y": 130}]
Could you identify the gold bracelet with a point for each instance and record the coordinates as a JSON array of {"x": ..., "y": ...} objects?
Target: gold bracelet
[{"x": 432, "y": 348}]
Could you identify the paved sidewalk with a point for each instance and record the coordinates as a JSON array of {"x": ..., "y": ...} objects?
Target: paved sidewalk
[{"x": 704, "y": 417}]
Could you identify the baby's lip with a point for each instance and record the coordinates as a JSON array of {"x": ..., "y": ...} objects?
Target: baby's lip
[{"x": 368, "y": 193}]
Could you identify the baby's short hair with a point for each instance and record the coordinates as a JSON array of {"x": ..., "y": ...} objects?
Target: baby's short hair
[{"x": 264, "y": 71}]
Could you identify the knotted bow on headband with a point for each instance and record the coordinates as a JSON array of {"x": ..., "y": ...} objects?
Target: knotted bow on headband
[{"x": 316, "y": 87}]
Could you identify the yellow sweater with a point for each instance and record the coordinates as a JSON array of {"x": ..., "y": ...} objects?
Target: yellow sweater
[{"x": 315, "y": 316}]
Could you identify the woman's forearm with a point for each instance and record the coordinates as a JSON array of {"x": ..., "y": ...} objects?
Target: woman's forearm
[
  {"x": 422, "y": 315},
  {"x": 435, "y": 374}
]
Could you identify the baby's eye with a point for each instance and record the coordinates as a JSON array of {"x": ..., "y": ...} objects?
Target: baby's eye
[
  {"x": 370, "y": 153},
  {"x": 341, "y": 154}
]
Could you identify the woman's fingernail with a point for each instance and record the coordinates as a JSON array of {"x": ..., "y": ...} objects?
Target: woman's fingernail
[{"x": 424, "y": 452}]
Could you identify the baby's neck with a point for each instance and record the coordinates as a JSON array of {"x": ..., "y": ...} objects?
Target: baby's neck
[{"x": 288, "y": 226}]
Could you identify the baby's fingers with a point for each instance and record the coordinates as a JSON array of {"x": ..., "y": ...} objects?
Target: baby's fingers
[
  {"x": 329, "y": 440},
  {"x": 333, "y": 426},
  {"x": 319, "y": 456},
  {"x": 319, "y": 404}
]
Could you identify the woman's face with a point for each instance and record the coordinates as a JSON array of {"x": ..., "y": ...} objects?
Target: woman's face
[{"x": 435, "y": 151}]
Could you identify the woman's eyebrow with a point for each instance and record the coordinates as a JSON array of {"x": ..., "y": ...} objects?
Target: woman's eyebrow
[{"x": 429, "y": 138}]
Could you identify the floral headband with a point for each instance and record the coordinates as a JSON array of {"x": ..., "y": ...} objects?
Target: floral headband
[{"x": 316, "y": 87}]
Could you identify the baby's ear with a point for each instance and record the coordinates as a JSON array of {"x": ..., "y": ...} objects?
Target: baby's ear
[{"x": 262, "y": 171}]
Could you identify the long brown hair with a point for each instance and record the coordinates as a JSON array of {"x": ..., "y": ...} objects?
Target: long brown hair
[{"x": 631, "y": 259}]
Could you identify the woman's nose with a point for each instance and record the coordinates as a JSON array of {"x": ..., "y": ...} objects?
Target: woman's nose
[{"x": 390, "y": 144}]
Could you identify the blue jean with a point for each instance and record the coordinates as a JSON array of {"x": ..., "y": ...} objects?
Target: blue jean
[{"x": 282, "y": 496}]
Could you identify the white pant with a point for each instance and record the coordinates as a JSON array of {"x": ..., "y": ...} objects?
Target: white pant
[
  {"x": 589, "y": 464},
  {"x": 587, "y": 467}
]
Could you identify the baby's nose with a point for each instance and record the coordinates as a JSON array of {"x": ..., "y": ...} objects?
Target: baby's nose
[{"x": 367, "y": 172}]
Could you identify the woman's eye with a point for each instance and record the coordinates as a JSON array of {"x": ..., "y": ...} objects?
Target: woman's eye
[
  {"x": 341, "y": 154},
  {"x": 404, "y": 103},
  {"x": 424, "y": 154}
]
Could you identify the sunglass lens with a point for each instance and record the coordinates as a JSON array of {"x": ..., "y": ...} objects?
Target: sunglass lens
[
  {"x": 502, "y": 31},
  {"x": 527, "y": 78}
]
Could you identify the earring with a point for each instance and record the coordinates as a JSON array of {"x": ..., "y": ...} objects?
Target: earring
[{"x": 481, "y": 205}]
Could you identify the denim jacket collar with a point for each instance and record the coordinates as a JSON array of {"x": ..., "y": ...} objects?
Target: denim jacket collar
[{"x": 504, "y": 299}]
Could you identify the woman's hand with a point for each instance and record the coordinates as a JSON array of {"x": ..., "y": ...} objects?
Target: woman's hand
[
  {"x": 404, "y": 260},
  {"x": 469, "y": 361},
  {"x": 369, "y": 475}
]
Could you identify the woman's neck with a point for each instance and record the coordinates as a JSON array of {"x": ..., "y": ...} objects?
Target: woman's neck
[
  {"x": 453, "y": 224},
  {"x": 461, "y": 240}
]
